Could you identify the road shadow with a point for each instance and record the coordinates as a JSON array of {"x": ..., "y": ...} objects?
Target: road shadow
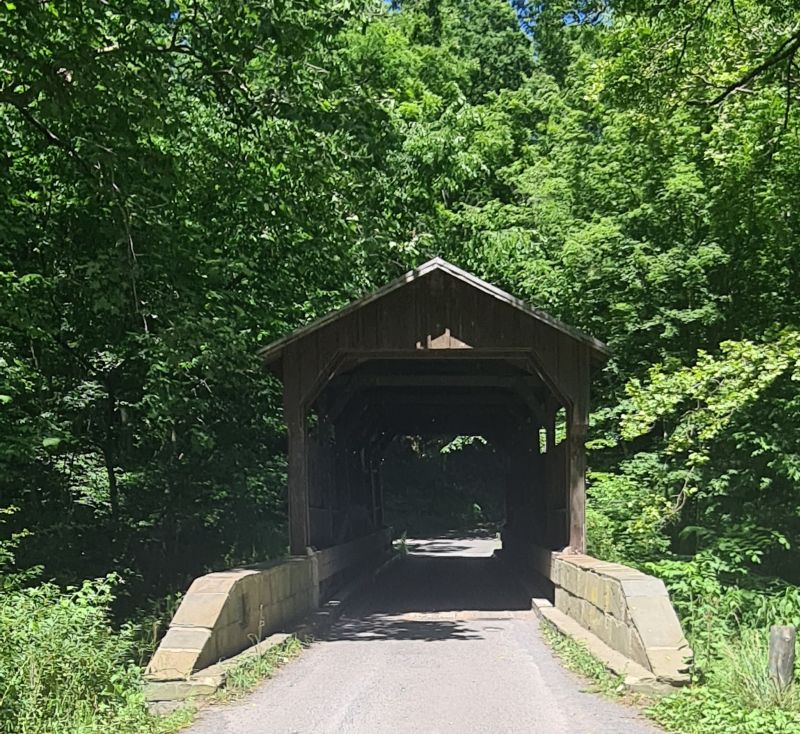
[
  {"x": 378, "y": 627},
  {"x": 442, "y": 583}
]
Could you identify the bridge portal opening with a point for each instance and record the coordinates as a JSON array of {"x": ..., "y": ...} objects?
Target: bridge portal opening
[{"x": 436, "y": 443}]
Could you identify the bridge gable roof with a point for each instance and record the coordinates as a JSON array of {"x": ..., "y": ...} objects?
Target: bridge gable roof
[{"x": 598, "y": 350}]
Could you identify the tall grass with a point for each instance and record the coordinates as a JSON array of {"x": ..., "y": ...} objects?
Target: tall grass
[
  {"x": 738, "y": 695},
  {"x": 64, "y": 669},
  {"x": 742, "y": 672}
]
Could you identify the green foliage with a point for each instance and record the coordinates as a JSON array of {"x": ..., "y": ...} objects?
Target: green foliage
[
  {"x": 713, "y": 412},
  {"x": 714, "y": 610},
  {"x": 161, "y": 226},
  {"x": 155, "y": 160},
  {"x": 182, "y": 182},
  {"x": 723, "y": 472},
  {"x": 578, "y": 659},
  {"x": 63, "y": 669},
  {"x": 706, "y": 710},
  {"x": 631, "y": 512},
  {"x": 253, "y": 669}
]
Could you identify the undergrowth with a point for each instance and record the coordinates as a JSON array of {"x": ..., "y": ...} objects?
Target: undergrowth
[
  {"x": 578, "y": 659},
  {"x": 708, "y": 709},
  {"x": 736, "y": 695},
  {"x": 65, "y": 670},
  {"x": 253, "y": 669}
]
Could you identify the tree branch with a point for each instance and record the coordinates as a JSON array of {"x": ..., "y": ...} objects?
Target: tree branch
[
  {"x": 49, "y": 135},
  {"x": 787, "y": 49}
]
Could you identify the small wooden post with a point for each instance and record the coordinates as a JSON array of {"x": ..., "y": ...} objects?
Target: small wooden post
[{"x": 781, "y": 655}]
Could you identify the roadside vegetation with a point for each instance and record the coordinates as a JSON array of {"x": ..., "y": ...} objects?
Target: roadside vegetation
[
  {"x": 183, "y": 181},
  {"x": 736, "y": 695},
  {"x": 64, "y": 669},
  {"x": 253, "y": 669},
  {"x": 575, "y": 657}
]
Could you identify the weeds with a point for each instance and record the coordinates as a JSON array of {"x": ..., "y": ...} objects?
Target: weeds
[
  {"x": 245, "y": 676},
  {"x": 65, "y": 670},
  {"x": 738, "y": 696},
  {"x": 742, "y": 673},
  {"x": 152, "y": 622},
  {"x": 578, "y": 659},
  {"x": 401, "y": 545},
  {"x": 708, "y": 709}
]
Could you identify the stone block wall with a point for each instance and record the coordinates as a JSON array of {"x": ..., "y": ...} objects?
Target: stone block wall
[
  {"x": 224, "y": 613},
  {"x": 628, "y": 610}
]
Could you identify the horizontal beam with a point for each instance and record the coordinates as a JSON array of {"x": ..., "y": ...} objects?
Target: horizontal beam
[
  {"x": 464, "y": 355},
  {"x": 444, "y": 399},
  {"x": 445, "y": 381},
  {"x": 463, "y": 422}
]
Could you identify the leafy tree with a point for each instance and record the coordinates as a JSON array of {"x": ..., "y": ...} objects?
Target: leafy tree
[{"x": 182, "y": 182}]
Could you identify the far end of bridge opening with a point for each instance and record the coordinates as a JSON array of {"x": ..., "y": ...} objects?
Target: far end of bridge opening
[{"x": 376, "y": 397}]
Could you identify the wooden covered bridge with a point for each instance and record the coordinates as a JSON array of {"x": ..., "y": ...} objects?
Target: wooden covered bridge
[{"x": 438, "y": 352}]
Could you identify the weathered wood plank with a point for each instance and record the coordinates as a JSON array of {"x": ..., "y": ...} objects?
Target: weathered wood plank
[{"x": 297, "y": 434}]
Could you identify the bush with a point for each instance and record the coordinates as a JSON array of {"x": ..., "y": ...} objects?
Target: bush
[
  {"x": 63, "y": 669},
  {"x": 716, "y": 613}
]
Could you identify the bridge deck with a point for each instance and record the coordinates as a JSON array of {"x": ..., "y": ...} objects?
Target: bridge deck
[{"x": 444, "y": 642}]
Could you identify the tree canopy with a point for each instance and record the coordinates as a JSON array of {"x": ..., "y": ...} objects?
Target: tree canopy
[{"x": 183, "y": 181}]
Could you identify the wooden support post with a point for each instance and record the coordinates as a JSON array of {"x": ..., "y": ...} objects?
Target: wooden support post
[
  {"x": 299, "y": 530},
  {"x": 577, "y": 424},
  {"x": 576, "y": 486},
  {"x": 781, "y": 655},
  {"x": 536, "y": 486},
  {"x": 504, "y": 442},
  {"x": 373, "y": 488},
  {"x": 550, "y": 429}
]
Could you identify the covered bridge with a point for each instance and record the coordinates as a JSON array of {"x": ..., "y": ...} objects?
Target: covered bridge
[{"x": 437, "y": 351}]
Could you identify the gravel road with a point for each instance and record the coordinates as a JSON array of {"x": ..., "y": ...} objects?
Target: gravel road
[{"x": 444, "y": 642}]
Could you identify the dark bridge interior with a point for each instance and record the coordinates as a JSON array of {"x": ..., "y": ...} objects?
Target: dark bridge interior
[
  {"x": 415, "y": 600},
  {"x": 361, "y": 411}
]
